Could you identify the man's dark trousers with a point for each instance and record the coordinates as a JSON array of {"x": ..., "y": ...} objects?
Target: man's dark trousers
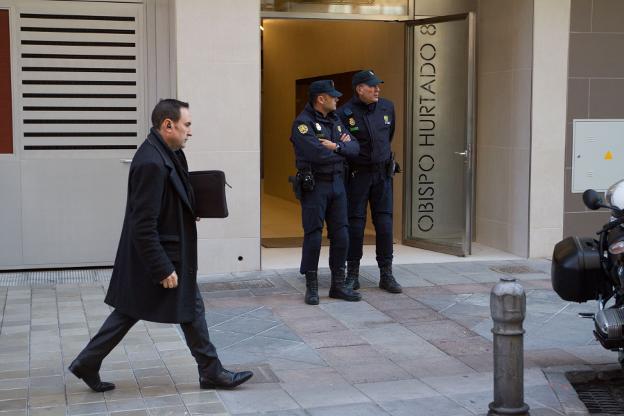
[
  {"x": 375, "y": 187},
  {"x": 327, "y": 202},
  {"x": 118, "y": 324}
]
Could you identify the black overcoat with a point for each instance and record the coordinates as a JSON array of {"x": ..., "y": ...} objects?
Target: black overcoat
[{"x": 159, "y": 236}]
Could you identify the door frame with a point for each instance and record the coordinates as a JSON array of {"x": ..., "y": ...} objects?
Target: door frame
[{"x": 408, "y": 122}]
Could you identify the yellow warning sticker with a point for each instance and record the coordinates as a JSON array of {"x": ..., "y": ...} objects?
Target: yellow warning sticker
[{"x": 608, "y": 155}]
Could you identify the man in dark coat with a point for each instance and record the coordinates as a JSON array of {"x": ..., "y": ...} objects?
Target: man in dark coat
[{"x": 155, "y": 272}]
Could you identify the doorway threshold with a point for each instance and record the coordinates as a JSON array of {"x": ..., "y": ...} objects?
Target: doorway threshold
[{"x": 289, "y": 258}]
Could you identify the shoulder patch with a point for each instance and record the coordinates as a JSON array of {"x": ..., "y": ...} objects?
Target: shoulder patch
[{"x": 303, "y": 129}]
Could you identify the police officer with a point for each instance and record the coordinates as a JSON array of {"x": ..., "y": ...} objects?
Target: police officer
[
  {"x": 321, "y": 145},
  {"x": 371, "y": 120}
]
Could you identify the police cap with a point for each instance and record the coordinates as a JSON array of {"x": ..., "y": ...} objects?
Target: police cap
[
  {"x": 367, "y": 77},
  {"x": 324, "y": 86}
]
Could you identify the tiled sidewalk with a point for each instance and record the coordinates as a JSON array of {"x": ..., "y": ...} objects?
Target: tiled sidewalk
[{"x": 424, "y": 352}]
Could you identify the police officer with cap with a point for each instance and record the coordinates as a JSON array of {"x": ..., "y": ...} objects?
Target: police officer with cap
[
  {"x": 321, "y": 145},
  {"x": 371, "y": 120}
]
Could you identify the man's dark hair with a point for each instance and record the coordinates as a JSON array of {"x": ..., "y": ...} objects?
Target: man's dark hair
[{"x": 167, "y": 109}]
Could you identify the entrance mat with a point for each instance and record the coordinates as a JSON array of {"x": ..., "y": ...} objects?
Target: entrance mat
[{"x": 290, "y": 242}]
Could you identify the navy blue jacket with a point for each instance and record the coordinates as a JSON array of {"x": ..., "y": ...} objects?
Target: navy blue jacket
[
  {"x": 373, "y": 127},
  {"x": 307, "y": 129}
]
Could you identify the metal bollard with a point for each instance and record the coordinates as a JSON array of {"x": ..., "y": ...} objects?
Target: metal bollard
[{"x": 508, "y": 308}]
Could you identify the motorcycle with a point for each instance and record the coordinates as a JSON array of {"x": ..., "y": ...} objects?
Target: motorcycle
[{"x": 585, "y": 269}]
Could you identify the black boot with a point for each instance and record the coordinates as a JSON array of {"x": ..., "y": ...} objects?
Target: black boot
[
  {"x": 311, "y": 294},
  {"x": 353, "y": 275},
  {"x": 338, "y": 290},
  {"x": 387, "y": 281}
]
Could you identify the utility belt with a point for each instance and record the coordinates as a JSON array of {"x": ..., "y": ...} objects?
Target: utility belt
[
  {"x": 389, "y": 167},
  {"x": 327, "y": 176},
  {"x": 305, "y": 180},
  {"x": 369, "y": 168}
]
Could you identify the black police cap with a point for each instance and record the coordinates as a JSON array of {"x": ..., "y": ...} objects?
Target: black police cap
[
  {"x": 367, "y": 77},
  {"x": 324, "y": 86}
]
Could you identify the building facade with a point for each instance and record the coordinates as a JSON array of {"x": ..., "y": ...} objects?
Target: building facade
[{"x": 484, "y": 98}]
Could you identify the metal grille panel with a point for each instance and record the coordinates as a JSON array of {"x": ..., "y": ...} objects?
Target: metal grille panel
[
  {"x": 514, "y": 269},
  {"x": 55, "y": 277},
  {"x": 80, "y": 74},
  {"x": 604, "y": 397}
]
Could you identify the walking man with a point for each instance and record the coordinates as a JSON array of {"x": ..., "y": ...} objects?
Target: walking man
[{"x": 155, "y": 273}]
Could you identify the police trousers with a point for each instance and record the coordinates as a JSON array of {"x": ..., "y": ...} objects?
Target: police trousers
[
  {"x": 326, "y": 203},
  {"x": 117, "y": 325},
  {"x": 374, "y": 188}
]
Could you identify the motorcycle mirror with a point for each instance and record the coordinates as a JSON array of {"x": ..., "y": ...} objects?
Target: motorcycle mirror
[{"x": 592, "y": 200}]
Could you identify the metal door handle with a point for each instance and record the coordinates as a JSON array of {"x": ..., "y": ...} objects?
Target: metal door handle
[
  {"x": 125, "y": 160},
  {"x": 464, "y": 153}
]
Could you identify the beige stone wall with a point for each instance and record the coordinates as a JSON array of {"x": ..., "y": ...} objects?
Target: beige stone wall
[
  {"x": 504, "y": 63},
  {"x": 218, "y": 72}
]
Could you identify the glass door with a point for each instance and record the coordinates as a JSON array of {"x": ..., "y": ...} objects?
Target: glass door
[{"x": 440, "y": 134}]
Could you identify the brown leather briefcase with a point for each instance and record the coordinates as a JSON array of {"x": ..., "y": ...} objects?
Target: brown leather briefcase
[{"x": 209, "y": 189}]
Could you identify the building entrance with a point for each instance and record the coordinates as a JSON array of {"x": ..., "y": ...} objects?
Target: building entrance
[
  {"x": 427, "y": 66},
  {"x": 294, "y": 52}
]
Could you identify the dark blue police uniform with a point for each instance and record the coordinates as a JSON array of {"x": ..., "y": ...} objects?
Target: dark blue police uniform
[
  {"x": 370, "y": 179},
  {"x": 327, "y": 201}
]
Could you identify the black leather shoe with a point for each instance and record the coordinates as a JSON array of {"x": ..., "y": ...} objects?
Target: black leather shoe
[
  {"x": 225, "y": 380},
  {"x": 91, "y": 379}
]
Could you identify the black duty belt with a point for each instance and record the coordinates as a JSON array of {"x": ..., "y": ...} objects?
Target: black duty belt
[
  {"x": 372, "y": 167},
  {"x": 326, "y": 176}
]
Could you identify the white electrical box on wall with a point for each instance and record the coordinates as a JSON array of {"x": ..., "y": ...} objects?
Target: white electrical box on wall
[{"x": 597, "y": 154}]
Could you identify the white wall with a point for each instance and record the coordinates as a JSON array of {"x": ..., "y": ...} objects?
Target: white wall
[
  {"x": 218, "y": 73},
  {"x": 550, "y": 69}
]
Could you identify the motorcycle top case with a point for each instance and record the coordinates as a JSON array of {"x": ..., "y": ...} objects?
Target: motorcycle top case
[{"x": 576, "y": 274}]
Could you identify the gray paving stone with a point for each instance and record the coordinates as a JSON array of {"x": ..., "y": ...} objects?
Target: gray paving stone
[
  {"x": 429, "y": 406},
  {"x": 48, "y": 411},
  {"x": 13, "y": 404},
  {"x": 168, "y": 411},
  {"x": 86, "y": 409},
  {"x": 125, "y": 405},
  {"x": 207, "y": 409},
  {"x": 340, "y": 338},
  {"x": 396, "y": 390},
  {"x": 356, "y": 314},
  {"x": 320, "y": 387},
  {"x": 200, "y": 398},
  {"x": 294, "y": 412},
  {"x": 430, "y": 367},
  {"x": 257, "y": 398},
  {"x": 358, "y": 409},
  {"x": 130, "y": 413}
]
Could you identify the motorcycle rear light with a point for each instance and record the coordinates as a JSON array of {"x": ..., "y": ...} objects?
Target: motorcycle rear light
[{"x": 617, "y": 248}]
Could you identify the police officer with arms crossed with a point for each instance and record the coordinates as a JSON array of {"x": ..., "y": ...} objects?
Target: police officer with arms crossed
[
  {"x": 321, "y": 144},
  {"x": 371, "y": 120}
]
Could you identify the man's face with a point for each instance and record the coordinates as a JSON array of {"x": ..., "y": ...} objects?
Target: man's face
[
  {"x": 177, "y": 135},
  {"x": 328, "y": 102},
  {"x": 368, "y": 94}
]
